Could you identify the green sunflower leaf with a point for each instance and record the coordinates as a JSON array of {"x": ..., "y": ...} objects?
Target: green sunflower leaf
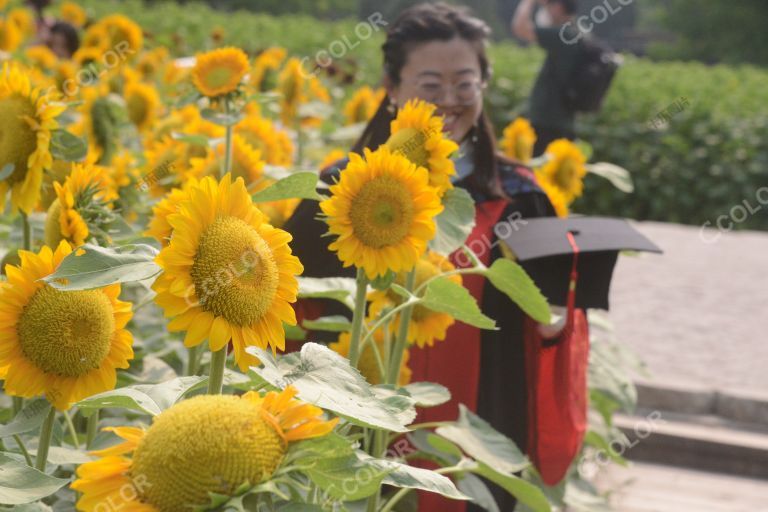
[
  {"x": 122, "y": 398},
  {"x": 326, "y": 379},
  {"x": 510, "y": 278},
  {"x": 67, "y": 147},
  {"x": 28, "y": 419},
  {"x": 301, "y": 185},
  {"x": 6, "y": 171},
  {"x": 340, "y": 289},
  {"x": 21, "y": 484},
  {"x": 455, "y": 222},
  {"x": 335, "y": 323},
  {"x": 445, "y": 296},
  {"x": 100, "y": 266}
]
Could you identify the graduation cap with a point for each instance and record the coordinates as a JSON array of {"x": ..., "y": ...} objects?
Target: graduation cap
[{"x": 543, "y": 248}]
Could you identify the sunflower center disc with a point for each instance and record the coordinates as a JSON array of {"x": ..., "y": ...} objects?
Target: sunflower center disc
[
  {"x": 410, "y": 143},
  {"x": 17, "y": 139},
  {"x": 218, "y": 77},
  {"x": 382, "y": 212},
  {"x": 565, "y": 175},
  {"x": 234, "y": 273},
  {"x": 138, "y": 109},
  {"x": 66, "y": 333},
  {"x": 232, "y": 445}
]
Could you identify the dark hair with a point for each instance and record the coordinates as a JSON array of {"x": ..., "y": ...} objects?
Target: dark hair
[
  {"x": 70, "y": 35},
  {"x": 420, "y": 24},
  {"x": 570, "y": 6}
]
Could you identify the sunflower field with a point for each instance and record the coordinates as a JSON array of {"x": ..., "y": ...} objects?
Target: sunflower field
[{"x": 148, "y": 289}]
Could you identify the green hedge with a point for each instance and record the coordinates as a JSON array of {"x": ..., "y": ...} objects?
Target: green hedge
[{"x": 708, "y": 159}]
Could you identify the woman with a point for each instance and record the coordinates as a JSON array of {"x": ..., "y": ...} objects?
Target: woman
[{"x": 436, "y": 52}]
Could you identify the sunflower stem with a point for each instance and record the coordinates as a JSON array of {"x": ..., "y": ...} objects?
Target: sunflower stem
[
  {"x": 379, "y": 437},
  {"x": 90, "y": 430},
  {"x": 358, "y": 317},
  {"x": 46, "y": 432},
  {"x": 23, "y": 449},
  {"x": 72, "y": 429},
  {"x": 18, "y": 405},
  {"x": 227, "y": 144},
  {"x": 402, "y": 335},
  {"x": 27, "y": 229},
  {"x": 216, "y": 377},
  {"x": 192, "y": 362}
]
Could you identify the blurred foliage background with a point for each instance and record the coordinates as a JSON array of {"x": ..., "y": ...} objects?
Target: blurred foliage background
[{"x": 703, "y": 161}]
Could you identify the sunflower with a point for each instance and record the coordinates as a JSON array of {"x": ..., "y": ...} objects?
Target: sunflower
[
  {"x": 87, "y": 56},
  {"x": 383, "y": 211},
  {"x": 151, "y": 62},
  {"x": 278, "y": 212},
  {"x": 96, "y": 36},
  {"x": 164, "y": 165},
  {"x": 219, "y": 72},
  {"x": 367, "y": 364},
  {"x": 363, "y": 104},
  {"x": 124, "y": 35},
  {"x": 244, "y": 441},
  {"x": 159, "y": 228},
  {"x": 261, "y": 133},
  {"x": 29, "y": 117},
  {"x": 143, "y": 103},
  {"x": 228, "y": 275},
  {"x": 73, "y": 14},
  {"x": 83, "y": 206},
  {"x": 565, "y": 168},
  {"x": 426, "y": 325},
  {"x": 418, "y": 134},
  {"x": 518, "y": 140},
  {"x": 64, "y": 74},
  {"x": 555, "y": 195},
  {"x": 10, "y": 36},
  {"x": 66, "y": 345},
  {"x": 246, "y": 162},
  {"x": 41, "y": 56},
  {"x": 22, "y": 19},
  {"x": 266, "y": 61},
  {"x": 291, "y": 84}
]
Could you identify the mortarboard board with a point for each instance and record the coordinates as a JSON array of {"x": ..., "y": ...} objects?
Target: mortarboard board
[{"x": 541, "y": 246}]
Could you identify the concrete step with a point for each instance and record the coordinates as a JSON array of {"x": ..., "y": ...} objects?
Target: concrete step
[
  {"x": 647, "y": 487},
  {"x": 704, "y": 442}
]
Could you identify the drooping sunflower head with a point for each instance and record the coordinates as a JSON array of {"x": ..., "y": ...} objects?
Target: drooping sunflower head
[
  {"x": 28, "y": 118},
  {"x": 83, "y": 206},
  {"x": 220, "y": 71},
  {"x": 368, "y": 364},
  {"x": 228, "y": 275},
  {"x": 292, "y": 84},
  {"x": 238, "y": 440},
  {"x": 73, "y": 14},
  {"x": 383, "y": 212},
  {"x": 265, "y": 62},
  {"x": 565, "y": 168},
  {"x": 518, "y": 140},
  {"x": 143, "y": 102},
  {"x": 417, "y": 133},
  {"x": 66, "y": 345},
  {"x": 426, "y": 326},
  {"x": 363, "y": 104},
  {"x": 10, "y": 36},
  {"x": 262, "y": 134},
  {"x": 555, "y": 195},
  {"x": 41, "y": 56},
  {"x": 125, "y": 36}
]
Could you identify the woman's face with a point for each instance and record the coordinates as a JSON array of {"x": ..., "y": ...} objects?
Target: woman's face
[{"x": 446, "y": 73}]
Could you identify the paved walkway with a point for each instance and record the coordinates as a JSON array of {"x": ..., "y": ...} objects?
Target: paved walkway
[
  {"x": 697, "y": 315},
  {"x": 654, "y": 488}
]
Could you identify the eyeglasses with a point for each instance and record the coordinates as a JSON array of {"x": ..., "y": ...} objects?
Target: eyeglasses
[{"x": 466, "y": 92}]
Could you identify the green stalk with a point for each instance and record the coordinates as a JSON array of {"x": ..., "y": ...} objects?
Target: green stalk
[
  {"x": 90, "y": 431},
  {"x": 193, "y": 358},
  {"x": 402, "y": 336},
  {"x": 72, "y": 430},
  {"x": 18, "y": 405},
  {"x": 227, "y": 144},
  {"x": 358, "y": 317},
  {"x": 27, "y": 231},
  {"x": 216, "y": 377},
  {"x": 46, "y": 432},
  {"x": 23, "y": 449},
  {"x": 379, "y": 437}
]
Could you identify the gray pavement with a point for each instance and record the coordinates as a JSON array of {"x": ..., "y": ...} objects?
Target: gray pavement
[{"x": 697, "y": 315}]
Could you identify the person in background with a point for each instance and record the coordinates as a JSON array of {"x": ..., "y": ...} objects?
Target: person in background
[
  {"x": 551, "y": 116},
  {"x": 63, "y": 40},
  {"x": 437, "y": 53}
]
